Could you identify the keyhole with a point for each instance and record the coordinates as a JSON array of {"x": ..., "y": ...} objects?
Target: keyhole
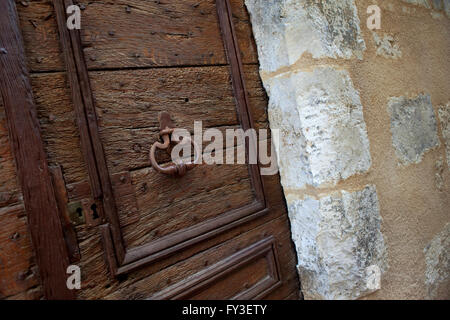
[
  {"x": 94, "y": 211},
  {"x": 80, "y": 212}
]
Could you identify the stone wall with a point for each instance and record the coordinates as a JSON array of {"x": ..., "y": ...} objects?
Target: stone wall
[{"x": 364, "y": 131}]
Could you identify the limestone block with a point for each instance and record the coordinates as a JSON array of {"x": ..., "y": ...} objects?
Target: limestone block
[
  {"x": 341, "y": 251},
  {"x": 285, "y": 29},
  {"x": 323, "y": 136},
  {"x": 444, "y": 118},
  {"x": 413, "y": 127},
  {"x": 433, "y": 4},
  {"x": 447, "y": 7},
  {"x": 439, "y": 175},
  {"x": 437, "y": 259},
  {"x": 386, "y": 46},
  {"x": 437, "y": 4},
  {"x": 423, "y": 3}
]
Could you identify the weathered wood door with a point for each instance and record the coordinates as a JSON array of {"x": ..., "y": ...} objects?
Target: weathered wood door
[{"x": 218, "y": 232}]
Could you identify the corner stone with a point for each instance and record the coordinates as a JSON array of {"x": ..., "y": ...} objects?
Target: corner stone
[
  {"x": 437, "y": 259},
  {"x": 323, "y": 136},
  {"x": 285, "y": 29},
  {"x": 340, "y": 248}
]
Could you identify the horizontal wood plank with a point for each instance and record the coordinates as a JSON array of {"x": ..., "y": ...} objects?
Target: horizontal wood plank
[
  {"x": 152, "y": 33},
  {"x": 167, "y": 205},
  {"x": 133, "y": 99},
  {"x": 103, "y": 50}
]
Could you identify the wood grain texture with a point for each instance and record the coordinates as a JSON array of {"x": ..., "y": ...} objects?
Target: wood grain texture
[
  {"x": 128, "y": 118},
  {"x": 78, "y": 99},
  {"x": 87, "y": 121},
  {"x": 62, "y": 199},
  {"x": 250, "y": 273},
  {"x": 97, "y": 167},
  {"x": 97, "y": 284},
  {"x": 207, "y": 192},
  {"x": 40, "y": 36},
  {"x": 174, "y": 33},
  {"x": 58, "y": 123},
  {"x": 124, "y": 94},
  {"x": 153, "y": 283},
  {"x": 244, "y": 34},
  {"x": 43, "y": 52},
  {"x": 128, "y": 103},
  {"x": 10, "y": 193},
  {"x": 18, "y": 271},
  {"x": 30, "y": 158},
  {"x": 133, "y": 98},
  {"x": 240, "y": 92},
  {"x": 154, "y": 33}
]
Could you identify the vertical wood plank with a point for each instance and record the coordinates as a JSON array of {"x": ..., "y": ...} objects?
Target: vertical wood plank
[
  {"x": 32, "y": 167},
  {"x": 237, "y": 73},
  {"x": 88, "y": 126},
  {"x": 77, "y": 100},
  {"x": 62, "y": 199}
]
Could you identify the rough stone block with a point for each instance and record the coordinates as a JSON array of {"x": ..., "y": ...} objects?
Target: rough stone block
[
  {"x": 437, "y": 259},
  {"x": 437, "y": 4},
  {"x": 433, "y": 4},
  {"x": 285, "y": 29},
  {"x": 423, "y": 3},
  {"x": 447, "y": 7},
  {"x": 340, "y": 248},
  {"x": 386, "y": 46},
  {"x": 439, "y": 175},
  {"x": 413, "y": 127},
  {"x": 323, "y": 136},
  {"x": 444, "y": 117}
]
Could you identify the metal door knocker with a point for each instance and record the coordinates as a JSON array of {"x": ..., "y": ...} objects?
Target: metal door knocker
[{"x": 180, "y": 168}]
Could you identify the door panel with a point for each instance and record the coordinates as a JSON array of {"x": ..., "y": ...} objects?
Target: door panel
[
  {"x": 160, "y": 33},
  {"x": 98, "y": 108},
  {"x": 182, "y": 211},
  {"x": 128, "y": 103},
  {"x": 43, "y": 48},
  {"x": 206, "y": 192},
  {"x": 194, "y": 276},
  {"x": 247, "y": 274}
]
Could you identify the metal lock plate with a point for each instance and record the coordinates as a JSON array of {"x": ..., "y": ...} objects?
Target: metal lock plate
[{"x": 76, "y": 213}]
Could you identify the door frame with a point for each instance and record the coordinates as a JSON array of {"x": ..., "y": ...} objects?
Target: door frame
[{"x": 32, "y": 168}]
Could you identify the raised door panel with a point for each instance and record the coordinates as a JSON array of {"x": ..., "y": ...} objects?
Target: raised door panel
[{"x": 149, "y": 215}]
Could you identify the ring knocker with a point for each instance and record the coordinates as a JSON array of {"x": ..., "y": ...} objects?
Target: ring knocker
[{"x": 175, "y": 169}]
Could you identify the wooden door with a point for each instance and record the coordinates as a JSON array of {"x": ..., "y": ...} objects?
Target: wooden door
[{"x": 219, "y": 231}]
